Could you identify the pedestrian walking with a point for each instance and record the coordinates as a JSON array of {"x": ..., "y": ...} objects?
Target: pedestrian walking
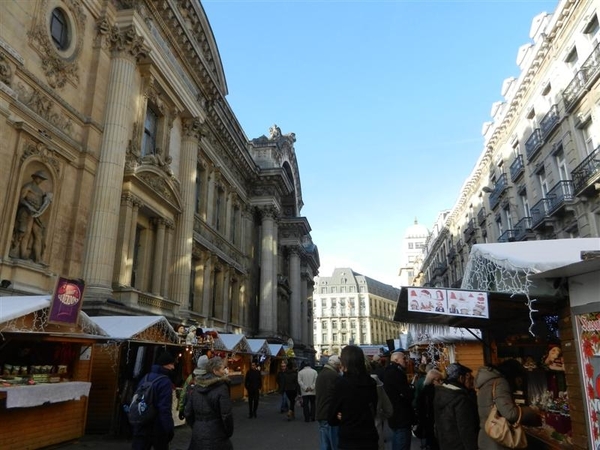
[
  {"x": 284, "y": 407},
  {"x": 324, "y": 389},
  {"x": 395, "y": 383},
  {"x": 354, "y": 403},
  {"x": 455, "y": 411},
  {"x": 290, "y": 386},
  {"x": 307, "y": 379},
  {"x": 253, "y": 384},
  {"x": 159, "y": 432},
  {"x": 209, "y": 411}
]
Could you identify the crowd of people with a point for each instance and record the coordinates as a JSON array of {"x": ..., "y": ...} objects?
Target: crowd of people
[{"x": 352, "y": 397}]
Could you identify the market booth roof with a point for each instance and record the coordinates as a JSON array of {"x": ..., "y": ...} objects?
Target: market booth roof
[
  {"x": 277, "y": 349},
  {"x": 235, "y": 343},
  {"x": 137, "y": 328},
  {"x": 14, "y": 309},
  {"x": 259, "y": 346}
]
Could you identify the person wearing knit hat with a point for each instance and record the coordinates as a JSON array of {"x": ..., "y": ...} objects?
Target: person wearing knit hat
[
  {"x": 189, "y": 383},
  {"x": 160, "y": 432}
]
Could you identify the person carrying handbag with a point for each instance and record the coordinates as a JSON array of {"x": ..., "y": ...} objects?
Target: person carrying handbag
[{"x": 495, "y": 386}]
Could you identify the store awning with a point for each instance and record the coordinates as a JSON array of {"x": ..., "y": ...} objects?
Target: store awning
[
  {"x": 507, "y": 312},
  {"x": 138, "y": 328}
]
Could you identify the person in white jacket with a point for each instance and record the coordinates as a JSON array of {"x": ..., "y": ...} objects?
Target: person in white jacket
[{"x": 307, "y": 380}]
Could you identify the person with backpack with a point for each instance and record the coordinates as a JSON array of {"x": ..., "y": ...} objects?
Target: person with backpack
[{"x": 150, "y": 411}]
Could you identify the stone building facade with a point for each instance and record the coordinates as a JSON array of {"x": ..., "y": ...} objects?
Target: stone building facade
[
  {"x": 353, "y": 308},
  {"x": 124, "y": 165},
  {"x": 538, "y": 176},
  {"x": 411, "y": 254}
]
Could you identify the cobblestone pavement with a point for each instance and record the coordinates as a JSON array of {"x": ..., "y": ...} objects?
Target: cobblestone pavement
[{"x": 270, "y": 431}]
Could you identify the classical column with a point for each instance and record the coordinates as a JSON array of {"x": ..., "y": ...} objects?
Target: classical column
[
  {"x": 127, "y": 273},
  {"x": 184, "y": 234},
  {"x": 268, "y": 277},
  {"x": 309, "y": 287},
  {"x": 211, "y": 198},
  {"x": 103, "y": 222},
  {"x": 159, "y": 248},
  {"x": 307, "y": 312},
  {"x": 296, "y": 316},
  {"x": 275, "y": 270}
]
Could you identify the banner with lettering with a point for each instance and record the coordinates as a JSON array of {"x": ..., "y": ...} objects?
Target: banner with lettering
[
  {"x": 453, "y": 302},
  {"x": 588, "y": 328},
  {"x": 66, "y": 301}
]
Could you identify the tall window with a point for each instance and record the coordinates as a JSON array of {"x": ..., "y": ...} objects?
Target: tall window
[
  {"x": 150, "y": 132},
  {"x": 561, "y": 164},
  {"x": 507, "y": 218},
  {"x": 59, "y": 29},
  {"x": 572, "y": 60},
  {"x": 198, "y": 190},
  {"x": 499, "y": 226},
  {"x": 588, "y": 137},
  {"x": 524, "y": 205},
  {"x": 543, "y": 182}
]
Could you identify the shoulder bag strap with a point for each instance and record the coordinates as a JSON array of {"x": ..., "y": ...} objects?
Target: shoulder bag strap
[{"x": 494, "y": 392}]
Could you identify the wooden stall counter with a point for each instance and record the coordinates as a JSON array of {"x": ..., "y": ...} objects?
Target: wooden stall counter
[
  {"x": 42, "y": 394},
  {"x": 541, "y": 438}
]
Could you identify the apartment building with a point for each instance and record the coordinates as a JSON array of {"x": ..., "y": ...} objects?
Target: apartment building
[
  {"x": 350, "y": 308},
  {"x": 538, "y": 176}
]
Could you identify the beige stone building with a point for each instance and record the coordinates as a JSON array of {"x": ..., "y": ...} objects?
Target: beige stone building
[
  {"x": 353, "y": 308},
  {"x": 124, "y": 165},
  {"x": 538, "y": 176}
]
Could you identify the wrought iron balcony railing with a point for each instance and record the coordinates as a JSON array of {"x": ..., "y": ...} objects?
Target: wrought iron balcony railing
[
  {"x": 451, "y": 253},
  {"x": 559, "y": 195},
  {"x": 517, "y": 168},
  {"x": 440, "y": 269},
  {"x": 522, "y": 228},
  {"x": 507, "y": 236},
  {"x": 539, "y": 212},
  {"x": 586, "y": 75},
  {"x": 499, "y": 188},
  {"x": 587, "y": 172},
  {"x": 481, "y": 215},
  {"x": 533, "y": 144},
  {"x": 549, "y": 121}
]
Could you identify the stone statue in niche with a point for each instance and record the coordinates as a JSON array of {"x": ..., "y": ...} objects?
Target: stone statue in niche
[{"x": 29, "y": 234}]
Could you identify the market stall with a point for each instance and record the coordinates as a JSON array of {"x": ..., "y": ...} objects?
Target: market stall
[
  {"x": 277, "y": 355},
  {"x": 261, "y": 353},
  {"x": 46, "y": 373},
  {"x": 581, "y": 351},
  {"x": 238, "y": 355},
  {"x": 527, "y": 318},
  {"x": 135, "y": 342}
]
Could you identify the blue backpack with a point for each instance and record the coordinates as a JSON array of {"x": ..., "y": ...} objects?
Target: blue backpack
[{"x": 141, "y": 410}]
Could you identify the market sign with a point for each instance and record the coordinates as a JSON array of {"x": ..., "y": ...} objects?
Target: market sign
[
  {"x": 449, "y": 302},
  {"x": 66, "y": 301}
]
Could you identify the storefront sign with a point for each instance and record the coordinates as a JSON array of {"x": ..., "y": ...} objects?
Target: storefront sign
[
  {"x": 588, "y": 328},
  {"x": 66, "y": 301},
  {"x": 450, "y": 302}
]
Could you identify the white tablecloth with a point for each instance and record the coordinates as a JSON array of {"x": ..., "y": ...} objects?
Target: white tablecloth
[{"x": 39, "y": 394}]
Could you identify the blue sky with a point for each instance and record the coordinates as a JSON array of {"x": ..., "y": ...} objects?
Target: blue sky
[{"x": 387, "y": 100}]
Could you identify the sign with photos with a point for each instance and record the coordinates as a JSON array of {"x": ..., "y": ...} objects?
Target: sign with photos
[{"x": 451, "y": 302}]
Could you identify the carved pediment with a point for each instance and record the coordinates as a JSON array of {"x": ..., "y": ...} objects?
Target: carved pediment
[{"x": 161, "y": 186}]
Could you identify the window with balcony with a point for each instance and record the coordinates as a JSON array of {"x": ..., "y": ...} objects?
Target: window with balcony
[
  {"x": 572, "y": 59},
  {"x": 561, "y": 164},
  {"x": 334, "y": 324},
  {"x": 543, "y": 182},
  {"x": 588, "y": 136},
  {"x": 499, "y": 227},
  {"x": 524, "y": 202}
]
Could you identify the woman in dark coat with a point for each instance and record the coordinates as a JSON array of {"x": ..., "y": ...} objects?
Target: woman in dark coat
[
  {"x": 354, "y": 403},
  {"x": 209, "y": 409}
]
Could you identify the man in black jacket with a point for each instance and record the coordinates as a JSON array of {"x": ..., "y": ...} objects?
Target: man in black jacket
[
  {"x": 395, "y": 383},
  {"x": 253, "y": 384},
  {"x": 455, "y": 410}
]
